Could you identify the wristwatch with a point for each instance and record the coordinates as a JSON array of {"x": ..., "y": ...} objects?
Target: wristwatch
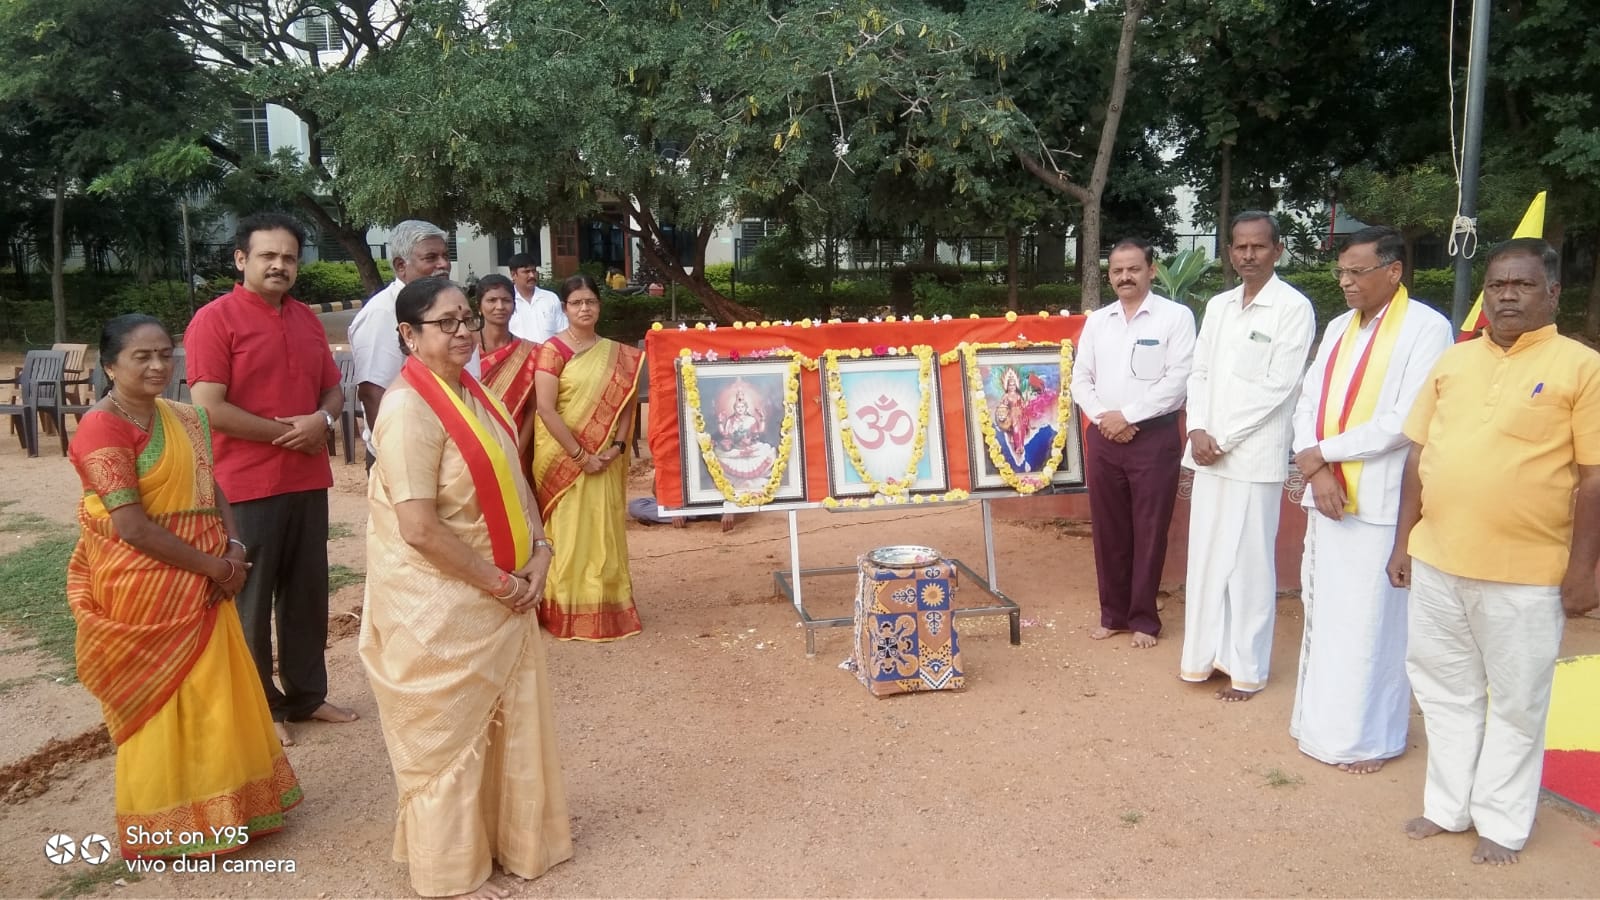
[
  {"x": 621, "y": 446},
  {"x": 546, "y": 543},
  {"x": 327, "y": 417}
]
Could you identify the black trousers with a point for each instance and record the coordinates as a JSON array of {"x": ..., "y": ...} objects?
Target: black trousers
[
  {"x": 288, "y": 539},
  {"x": 1132, "y": 490}
]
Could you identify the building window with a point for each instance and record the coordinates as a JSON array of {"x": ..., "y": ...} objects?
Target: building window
[
  {"x": 330, "y": 250},
  {"x": 250, "y": 130},
  {"x": 566, "y": 239},
  {"x": 752, "y": 232},
  {"x": 450, "y": 244},
  {"x": 681, "y": 243},
  {"x": 983, "y": 250},
  {"x": 323, "y": 32},
  {"x": 508, "y": 244}
]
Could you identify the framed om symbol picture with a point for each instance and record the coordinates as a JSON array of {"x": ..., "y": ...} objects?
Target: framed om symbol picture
[{"x": 895, "y": 420}]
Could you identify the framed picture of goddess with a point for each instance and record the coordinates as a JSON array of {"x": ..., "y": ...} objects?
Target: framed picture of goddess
[
  {"x": 741, "y": 403},
  {"x": 1016, "y": 395},
  {"x": 889, "y": 409}
]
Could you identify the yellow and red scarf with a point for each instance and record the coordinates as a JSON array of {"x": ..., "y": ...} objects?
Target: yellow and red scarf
[
  {"x": 493, "y": 471},
  {"x": 1364, "y": 379}
]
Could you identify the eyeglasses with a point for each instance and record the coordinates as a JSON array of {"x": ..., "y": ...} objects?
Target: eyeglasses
[
  {"x": 1339, "y": 274},
  {"x": 451, "y": 325},
  {"x": 582, "y": 303}
]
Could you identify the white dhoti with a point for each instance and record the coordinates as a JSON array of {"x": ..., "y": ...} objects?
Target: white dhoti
[
  {"x": 1232, "y": 585},
  {"x": 1352, "y": 701},
  {"x": 1471, "y": 640}
]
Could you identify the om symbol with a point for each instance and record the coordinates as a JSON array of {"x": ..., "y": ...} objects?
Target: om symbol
[{"x": 884, "y": 420}]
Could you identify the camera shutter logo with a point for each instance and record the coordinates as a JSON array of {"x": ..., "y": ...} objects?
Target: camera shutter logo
[
  {"x": 60, "y": 849},
  {"x": 94, "y": 849}
]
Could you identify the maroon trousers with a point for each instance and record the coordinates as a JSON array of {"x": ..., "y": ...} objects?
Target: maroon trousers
[{"x": 1132, "y": 489}]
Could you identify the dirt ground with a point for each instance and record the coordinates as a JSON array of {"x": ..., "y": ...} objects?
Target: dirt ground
[{"x": 710, "y": 757}]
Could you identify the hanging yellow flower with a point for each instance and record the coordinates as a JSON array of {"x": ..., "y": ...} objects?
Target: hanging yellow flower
[
  {"x": 833, "y": 386},
  {"x": 1030, "y": 482},
  {"x": 785, "y": 449}
]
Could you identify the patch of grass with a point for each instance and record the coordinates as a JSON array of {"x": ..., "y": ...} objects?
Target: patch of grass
[
  {"x": 1132, "y": 817},
  {"x": 1280, "y": 778},
  {"x": 339, "y": 530},
  {"x": 21, "y": 522},
  {"x": 33, "y": 595},
  {"x": 89, "y": 879},
  {"x": 342, "y": 577}
]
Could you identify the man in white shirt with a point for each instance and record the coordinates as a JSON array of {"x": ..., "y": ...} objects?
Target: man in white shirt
[
  {"x": 1248, "y": 361},
  {"x": 417, "y": 249},
  {"x": 1129, "y": 379},
  {"x": 538, "y": 313},
  {"x": 1352, "y": 701}
]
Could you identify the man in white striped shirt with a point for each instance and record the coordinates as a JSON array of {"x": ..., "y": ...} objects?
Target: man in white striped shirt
[
  {"x": 1129, "y": 378},
  {"x": 1248, "y": 362}
]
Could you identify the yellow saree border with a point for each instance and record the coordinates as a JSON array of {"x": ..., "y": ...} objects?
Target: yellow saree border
[{"x": 605, "y": 406}]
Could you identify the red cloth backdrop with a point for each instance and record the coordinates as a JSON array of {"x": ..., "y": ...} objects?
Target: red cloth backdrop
[{"x": 661, "y": 349}]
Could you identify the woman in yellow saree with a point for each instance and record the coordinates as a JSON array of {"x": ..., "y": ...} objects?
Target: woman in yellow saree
[
  {"x": 151, "y": 583},
  {"x": 508, "y": 362},
  {"x": 456, "y": 561},
  {"x": 585, "y": 392}
]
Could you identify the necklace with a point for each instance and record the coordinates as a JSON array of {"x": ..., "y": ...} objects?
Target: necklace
[
  {"x": 125, "y": 414},
  {"x": 575, "y": 345}
]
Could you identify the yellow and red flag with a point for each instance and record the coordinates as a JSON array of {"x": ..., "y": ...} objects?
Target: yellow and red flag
[{"x": 1531, "y": 226}]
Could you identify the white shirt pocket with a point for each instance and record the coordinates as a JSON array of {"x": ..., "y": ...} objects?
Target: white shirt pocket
[{"x": 1148, "y": 360}]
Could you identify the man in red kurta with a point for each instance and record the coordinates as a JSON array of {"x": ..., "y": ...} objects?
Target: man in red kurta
[{"x": 259, "y": 362}]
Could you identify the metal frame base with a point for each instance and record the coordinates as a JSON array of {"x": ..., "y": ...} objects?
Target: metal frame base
[{"x": 1005, "y": 606}]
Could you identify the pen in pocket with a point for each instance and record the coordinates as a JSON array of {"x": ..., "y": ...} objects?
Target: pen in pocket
[{"x": 1536, "y": 389}]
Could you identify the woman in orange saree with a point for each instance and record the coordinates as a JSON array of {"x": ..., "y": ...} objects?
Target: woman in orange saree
[
  {"x": 508, "y": 362},
  {"x": 150, "y": 584},
  {"x": 585, "y": 396}
]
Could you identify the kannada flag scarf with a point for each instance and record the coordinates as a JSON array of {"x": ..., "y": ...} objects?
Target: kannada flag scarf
[
  {"x": 493, "y": 471},
  {"x": 1363, "y": 378}
]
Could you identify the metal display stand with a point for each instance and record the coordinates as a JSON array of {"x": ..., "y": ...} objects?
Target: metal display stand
[{"x": 788, "y": 582}]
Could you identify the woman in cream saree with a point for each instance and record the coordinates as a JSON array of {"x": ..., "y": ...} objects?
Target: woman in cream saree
[
  {"x": 159, "y": 643},
  {"x": 455, "y": 561},
  {"x": 585, "y": 393}
]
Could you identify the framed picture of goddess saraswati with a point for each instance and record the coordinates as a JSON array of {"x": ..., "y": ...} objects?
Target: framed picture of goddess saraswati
[
  {"x": 742, "y": 408},
  {"x": 1015, "y": 398},
  {"x": 890, "y": 407}
]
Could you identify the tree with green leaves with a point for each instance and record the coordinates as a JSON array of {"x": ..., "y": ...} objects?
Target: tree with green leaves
[{"x": 85, "y": 84}]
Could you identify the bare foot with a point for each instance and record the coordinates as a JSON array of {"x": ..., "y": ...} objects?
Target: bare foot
[
  {"x": 284, "y": 737},
  {"x": 728, "y": 520},
  {"x": 1362, "y": 767},
  {"x": 327, "y": 712},
  {"x": 680, "y": 522},
  {"x": 1489, "y": 852},
  {"x": 1422, "y": 827},
  {"x": 1142, "y": 641},
  {"x": 487, "y": 891},
  {"x": 1101, "y": 633},
  {"x": 1230, "y": 695}
]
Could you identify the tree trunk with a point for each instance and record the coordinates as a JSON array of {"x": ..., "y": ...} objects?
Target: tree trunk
[
  {"x": 58, "y": 253},
  {"x": 1591, "y": 322},
  {"x": 930, "y": 246},
  {"x": 1224, "y": 200},
  {"x": 651, "y": 243},
  {"x": 1077, "y": 254},
  {"x": 1052, "y": 259},
  {"x": 352, "y": 238},
  {"x": 1089, "y": 230},
  {"x": 1410, "y": 237},
  {"x": 1013, "y": 250}
]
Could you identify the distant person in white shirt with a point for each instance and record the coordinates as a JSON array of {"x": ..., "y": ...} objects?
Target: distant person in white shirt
[
  {"x": 417, "y": 249},
  {"x": 1129, "y": 379},
  {"x": 538, "y": 315},
  {"x": 1352, "y": 702},
  {"x": 1248, "y": 361}
]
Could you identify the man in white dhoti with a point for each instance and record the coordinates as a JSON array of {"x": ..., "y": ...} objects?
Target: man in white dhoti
[
  {"x": 1498, "y": 535},
  {"x": 1248, "y": 361},
  {"x": 1352, "y": 701}
]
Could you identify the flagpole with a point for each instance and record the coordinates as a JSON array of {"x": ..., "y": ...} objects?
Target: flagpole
[{"x": 1471, "y": 154}]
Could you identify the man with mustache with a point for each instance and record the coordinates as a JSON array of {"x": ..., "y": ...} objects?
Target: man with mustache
[
  {"x": 1498, "y": 536},
  {"x": 1248, "y": 361},
  {"x": 259, "y": 364},
  {"x": 1129, "y": 379},
  {"x": 1352, "y": 702}
]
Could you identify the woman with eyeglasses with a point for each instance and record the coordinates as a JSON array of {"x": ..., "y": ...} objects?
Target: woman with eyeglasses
[
  {"x": 456, "y": 563},
  {"x": 509, "y": 362},
  {"x": 585, "y": 392}
]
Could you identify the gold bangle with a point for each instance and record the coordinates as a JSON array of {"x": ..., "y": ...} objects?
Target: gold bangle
[{"x": 578, "y": 453}]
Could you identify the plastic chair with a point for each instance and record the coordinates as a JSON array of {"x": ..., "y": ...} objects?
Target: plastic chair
[
  {"x": 178, "y": 389},
  {"x": 352, "y": 406},
  {"x": 642, "y": 398},
  {"x": 41, "y": 394},
  {"x": 24, "y": 421}
]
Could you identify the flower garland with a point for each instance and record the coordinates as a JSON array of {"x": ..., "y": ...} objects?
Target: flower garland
[
  {"x": 791, "y": 397},
  {"x": 835, "y": 389},
  {"x": 1030, "y": 482}
]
